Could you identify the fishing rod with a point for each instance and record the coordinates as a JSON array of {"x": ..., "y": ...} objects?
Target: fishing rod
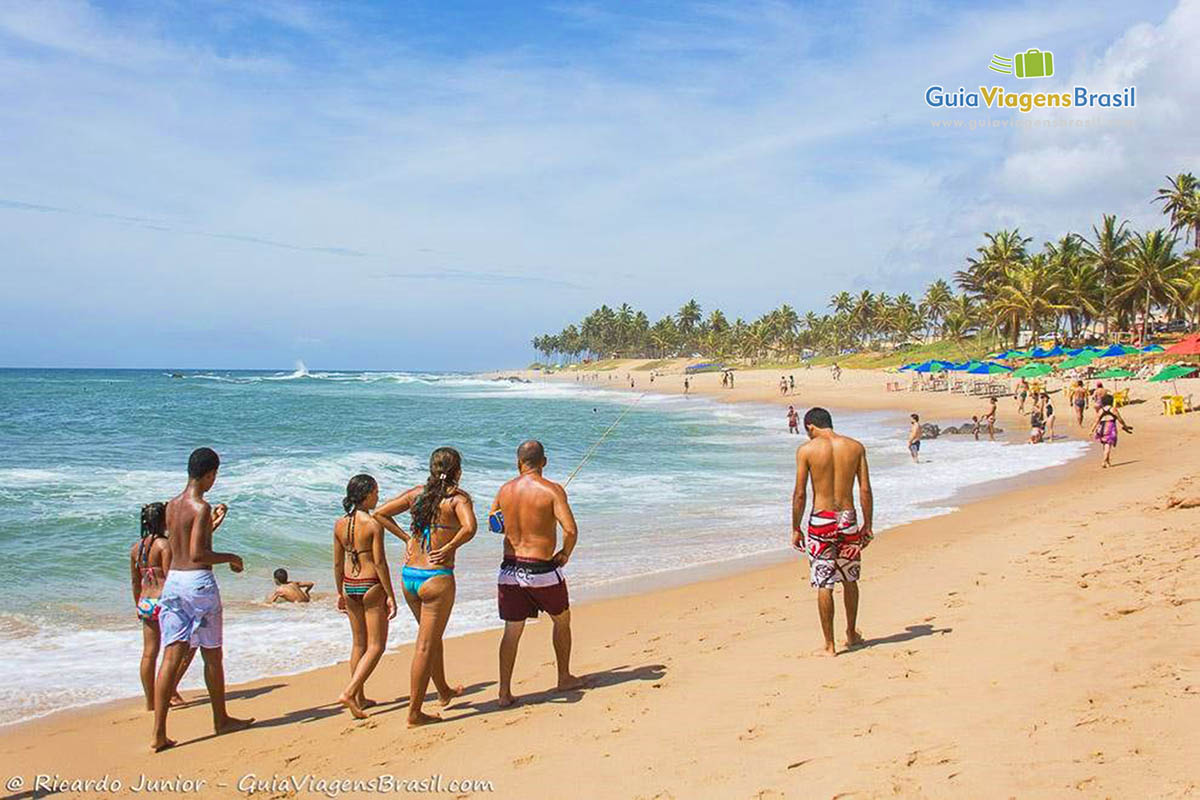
[
  {"x": 496, "y": 518},
  {"x": 599, "y": 441}
]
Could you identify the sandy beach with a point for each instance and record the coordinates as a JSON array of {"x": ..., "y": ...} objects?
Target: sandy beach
[{"x": 1041, "y": 642}]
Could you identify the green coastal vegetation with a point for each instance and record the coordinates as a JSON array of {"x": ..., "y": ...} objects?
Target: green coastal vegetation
[{"x": 1092, "y": 286}]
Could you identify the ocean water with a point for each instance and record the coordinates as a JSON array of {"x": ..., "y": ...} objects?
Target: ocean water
[{"x": 681, "y": 482}]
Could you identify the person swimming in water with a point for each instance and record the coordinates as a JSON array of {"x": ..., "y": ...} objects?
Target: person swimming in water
[
  {"x": 364, "y": 587},
  {"x": 443, "y": 520},
  {"x": 149, "y": 562},
  {"x": 289, "y": 591}
]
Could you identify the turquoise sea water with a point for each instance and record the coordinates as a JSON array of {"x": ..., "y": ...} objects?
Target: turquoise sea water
[{"x": 681, "y": 482}]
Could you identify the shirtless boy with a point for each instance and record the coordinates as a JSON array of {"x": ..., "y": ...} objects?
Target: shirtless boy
[
  {"x": 833, "y": 541},
  {"x": 531, "y": 509},
  {"x": 290, "y": 591},
  {"x": 190, "y": 605}
]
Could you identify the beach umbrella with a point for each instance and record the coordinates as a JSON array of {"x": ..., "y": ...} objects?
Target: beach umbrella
[
  {"x": 1112, "y": 351},
  {"x": 1080, "y": 360},
  {"x": 1185, "y": 347},
  {"x": 988, "y": 368},
  {"x": 1116, "y": 372},
  {"x": 1033, "y": 371},
  {"x": 930, "y": 366},
  {"x": 1053, "y": 352},
  {"x": 1153, "y": 348},
  {"x": 1173, "y": 372}
]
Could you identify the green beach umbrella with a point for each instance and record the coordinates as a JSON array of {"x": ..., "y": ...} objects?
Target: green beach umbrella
[
  {"x": 1033, "y": 370},
  {"x": 1173, "y": 372},
  {"x": 1080, "y": 360},
  {"x": 1116, "y": 372}
]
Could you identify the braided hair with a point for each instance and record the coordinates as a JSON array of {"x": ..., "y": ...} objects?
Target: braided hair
[
  {"x": 154, "y": 526},
  {"x": 357, "y": 490},
  {"x": 445, "y": 469}
]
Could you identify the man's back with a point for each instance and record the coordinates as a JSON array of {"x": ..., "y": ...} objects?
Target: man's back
[
  {"x": 182, "y": 513},
  {"x": 530, "y": 526},
  {"x": 833, "y": 464}
]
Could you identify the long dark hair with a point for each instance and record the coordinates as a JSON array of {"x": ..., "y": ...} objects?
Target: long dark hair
[
  {"x": 357, "y": 490},
  {"x": 154, "y": 526},
  {"x": 445, "y": 469}
]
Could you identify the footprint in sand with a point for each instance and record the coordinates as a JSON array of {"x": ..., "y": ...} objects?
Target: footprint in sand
[{"x": 522, "y": 761}]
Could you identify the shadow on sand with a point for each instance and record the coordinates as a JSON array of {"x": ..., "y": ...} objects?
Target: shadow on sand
[
  {"x": 594, "y": 680},
  {"x": 908, "y": 634}
]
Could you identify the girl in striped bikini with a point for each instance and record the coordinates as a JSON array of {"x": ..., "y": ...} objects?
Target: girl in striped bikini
[
  {"x": 443, "y": 520},
  {"x": 364, "y": 587}
]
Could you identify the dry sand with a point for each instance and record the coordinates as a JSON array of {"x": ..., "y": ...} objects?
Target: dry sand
[{"x": 1040, "y": 643}]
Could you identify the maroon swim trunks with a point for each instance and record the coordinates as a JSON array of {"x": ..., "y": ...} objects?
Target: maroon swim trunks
[{"x": 526, "y": 586}]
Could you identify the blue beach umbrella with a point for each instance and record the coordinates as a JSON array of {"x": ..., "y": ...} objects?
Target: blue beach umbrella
[
  {"x": 988, "y": 368},
  {"x": 1153, "y": 348}
]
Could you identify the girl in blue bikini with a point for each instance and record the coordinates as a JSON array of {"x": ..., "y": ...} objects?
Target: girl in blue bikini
[{"x": 443, "y": 520}]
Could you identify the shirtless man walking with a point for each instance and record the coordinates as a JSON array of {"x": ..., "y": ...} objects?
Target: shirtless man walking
[
  {"x": 190, "y": 606},
  {"x": 528, "y": 510},
  {"x": 833, "y": 541}
]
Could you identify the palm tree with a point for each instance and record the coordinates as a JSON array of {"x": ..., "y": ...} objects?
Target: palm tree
[
  {"x": 1003, "y": 253},
  {"x": 1152, "y": 274},
  {"x": 936, "y": 302},
  {"x": 1107, "y": 251},
  {"x": 1181, "y": 203},
  {"x": 1025, "y": 299},
  {"x": 841, "y": 302},
  {"x": 1076, "y": 278}
]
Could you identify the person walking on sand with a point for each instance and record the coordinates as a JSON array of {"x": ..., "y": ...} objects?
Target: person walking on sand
[
  {"x": 793, "y": 420},
  {"x": 1079, "y": 398},
  {"x": 529, "y": 510},
  {"x": 791, "y": 384},
  {"x": 442, "y": 520},
  {"x": 190, "y": 612},
  {"x": 914, "y": 438},
  {"x": 149, "y": 563},
  {"x": 1022, "y": 395},
  {"x": 833, "y": 540},
  {"x": 1105, "y": 428},
  {"x": 687, "y": 385},
  {"x": 364, "y": 587},
  {"x": 990, "y": 418},
  {"x": 1047, "y": 418}
]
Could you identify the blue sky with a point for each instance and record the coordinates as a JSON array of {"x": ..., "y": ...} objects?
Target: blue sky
[{"x": 428, "y": 185}]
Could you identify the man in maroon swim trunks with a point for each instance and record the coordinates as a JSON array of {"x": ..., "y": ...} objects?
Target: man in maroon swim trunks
[{"x": 531, "y": 579}]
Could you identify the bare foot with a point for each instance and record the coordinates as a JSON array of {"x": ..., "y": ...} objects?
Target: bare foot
[
  {"x": 351, "y": 704},
  {"x": 828, "y": 650},
  {"x": 854, "y": 639},
  {"x": 159, "y": 745},
  {"x": 448, "y": 696},
  {"x": 421, "y": 718},
  {"x": 570, "y": 682},
  {"x": 365, "y": 702},
  {"x": 506, "y": 700},
  {"x": 232, "y": 724},
  {"x": 177, "y": 700}
]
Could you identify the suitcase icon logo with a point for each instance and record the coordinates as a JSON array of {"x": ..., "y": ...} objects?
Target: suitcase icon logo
[{"x": 1033, "y": 63}]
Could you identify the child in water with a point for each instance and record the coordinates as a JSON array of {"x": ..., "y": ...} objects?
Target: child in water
[{"x": 289, "y": 591}]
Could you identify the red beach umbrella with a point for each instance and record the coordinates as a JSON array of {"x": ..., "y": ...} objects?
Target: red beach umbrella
[{"x": 1189, "y": 346}]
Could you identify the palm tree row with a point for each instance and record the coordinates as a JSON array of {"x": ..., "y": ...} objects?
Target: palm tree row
[{"x": 1080, "y": 285}]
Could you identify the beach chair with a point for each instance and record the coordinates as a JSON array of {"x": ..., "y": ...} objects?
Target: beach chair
[
  {"x": 1121, "y": 398},
  {"x": 1177, "y": 406}
]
